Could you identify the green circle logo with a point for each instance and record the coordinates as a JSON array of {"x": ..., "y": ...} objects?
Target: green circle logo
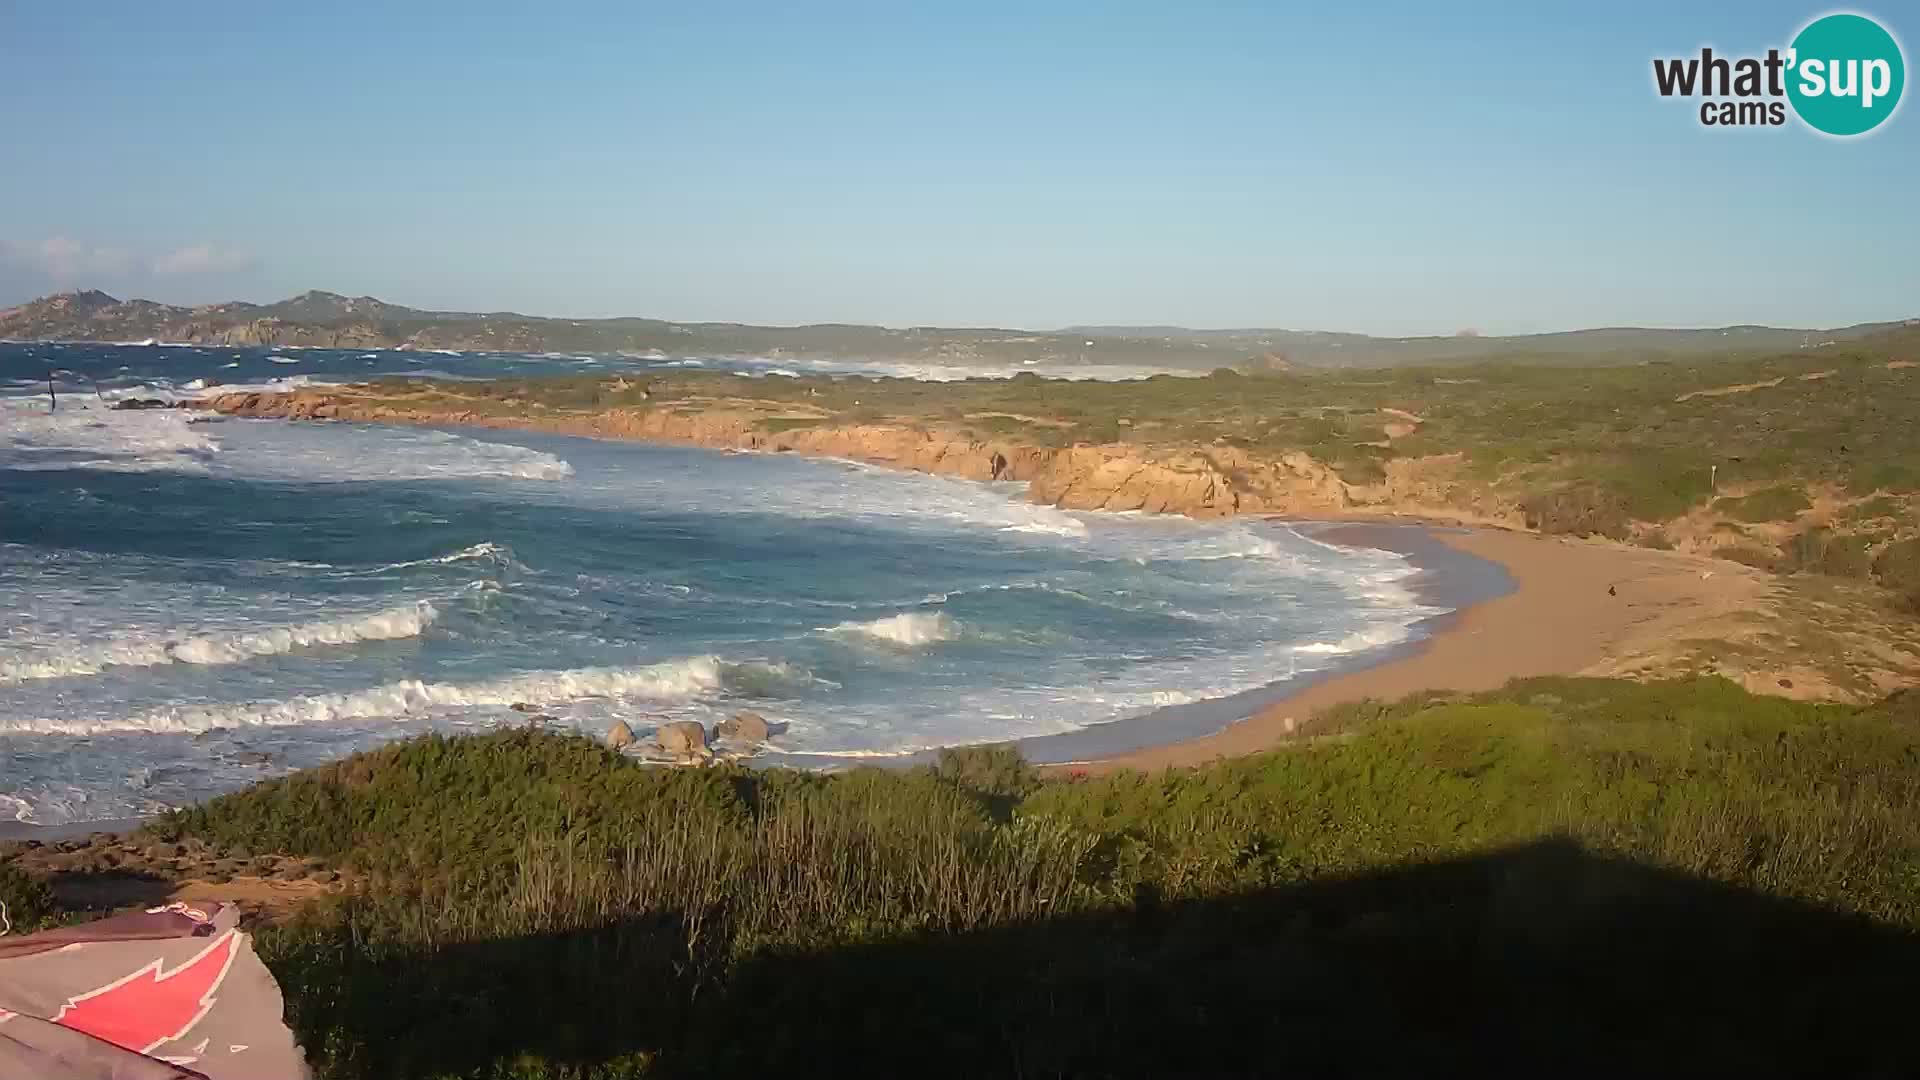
[{"x": 1845, "y": 74}]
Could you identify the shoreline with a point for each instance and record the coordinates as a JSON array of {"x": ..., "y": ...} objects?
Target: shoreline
[
  {"x": 1573, "y": 606},
  {"x": 1501, "y": 589},
  {"x": 1444, "y": 577},
  {"x": 1202, "y": 482}
]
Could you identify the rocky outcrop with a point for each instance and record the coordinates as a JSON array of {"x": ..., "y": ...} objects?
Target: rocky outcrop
[
  {"x": 744, "y": 727},
  {"x": 619, "y": 736},
  {"x": 683, "y": 740},
  {"x": 1205, "y": 482}
]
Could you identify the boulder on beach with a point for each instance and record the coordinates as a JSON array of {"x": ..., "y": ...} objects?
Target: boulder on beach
[
  {"x": 619, "y": 735},
  {"x": 744, "y": 726},
  {"x": 522, "y": 706},
  {"x": 138, "y": 403},
  {"x": 682, "y": 739}
]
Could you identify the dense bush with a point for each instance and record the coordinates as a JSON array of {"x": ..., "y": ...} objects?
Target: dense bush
[
  {"x": 1657, "y": 539},
  {"x": 1819, "y": 551},
  {"x": 1898, "y": 566},
  {"x": 28, "y": 902},
  {"x": 539, "y": 907},
  {"x": 1780, "y": 503},
  {"x": 1578, "y": 511}
]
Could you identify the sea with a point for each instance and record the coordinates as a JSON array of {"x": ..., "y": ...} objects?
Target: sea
[{"x": 189, "y": 604}]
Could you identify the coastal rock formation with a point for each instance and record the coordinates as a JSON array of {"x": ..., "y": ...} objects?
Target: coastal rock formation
[
  {"x": 684, "y": 739},
  {"x": 1210, "y": 482},
  {"x": 744, "y": 726},
  {"x": 619, "y": 736}
]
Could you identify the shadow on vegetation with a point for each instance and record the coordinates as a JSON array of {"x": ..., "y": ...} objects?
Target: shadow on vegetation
[
  {"x": 106, "y": 889},
  {"x": 1541, "y": 958}
]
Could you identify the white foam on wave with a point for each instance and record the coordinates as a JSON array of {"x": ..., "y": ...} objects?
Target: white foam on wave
[
  {"x": 937, "y": 372},
  {"x": 1046, "y": 521},
  {"x": 1372, "y": 637},
  {"x": 1252, "y": 547},
  {"x": 486, "y": 549},
  {"x": 911, "y": 629},
  {"x": 316, "y": 454},
  {"x": 79, "y": 434},
  {"x": 230, "y": 648},
  {"x": 858, "y": 755},
  {"x": 283, "y": 359},
  {"x": 670, "y": 680},
  {"x": 912, "y": 499}
]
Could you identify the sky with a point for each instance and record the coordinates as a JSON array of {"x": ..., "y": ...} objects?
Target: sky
[{"x": 1380, "y": 168}]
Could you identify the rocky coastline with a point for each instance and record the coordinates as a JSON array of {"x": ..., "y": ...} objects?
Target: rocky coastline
[{"x": 1194, "y": 481}]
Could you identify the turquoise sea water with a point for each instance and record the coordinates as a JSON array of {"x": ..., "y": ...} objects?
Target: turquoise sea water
[{"x": 192, "y": 603}]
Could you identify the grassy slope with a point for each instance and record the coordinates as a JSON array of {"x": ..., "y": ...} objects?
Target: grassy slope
[{"x": 1588, "y": 867}]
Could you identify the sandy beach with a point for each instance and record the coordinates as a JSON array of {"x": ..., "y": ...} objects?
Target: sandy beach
[{"x": 1574, "y": 606}]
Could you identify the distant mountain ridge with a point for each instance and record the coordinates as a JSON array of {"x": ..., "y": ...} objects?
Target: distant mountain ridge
[{"x": 330, "y": 320}]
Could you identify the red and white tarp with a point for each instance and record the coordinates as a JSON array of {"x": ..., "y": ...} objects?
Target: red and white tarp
[{"x": 168, "y": 994}]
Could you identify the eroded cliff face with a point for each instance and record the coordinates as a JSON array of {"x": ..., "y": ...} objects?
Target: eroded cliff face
[{"x": 1196, "y": 482}]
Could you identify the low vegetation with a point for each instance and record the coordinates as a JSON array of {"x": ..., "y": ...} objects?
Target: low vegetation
[
  {"x": 1733, "y": 451},
  {"x": 1783, "y": 502},
  {"x": 25, "y": 902},
  {"x": 1566, "y": 865}
]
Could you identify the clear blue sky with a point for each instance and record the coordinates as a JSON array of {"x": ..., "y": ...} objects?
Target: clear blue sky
[{"x": 1386, "y": 168}]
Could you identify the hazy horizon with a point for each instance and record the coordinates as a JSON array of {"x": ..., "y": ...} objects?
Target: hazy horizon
[
  {"x": 1467, "y": 332},
  {"x": 1385, "y": 169}
]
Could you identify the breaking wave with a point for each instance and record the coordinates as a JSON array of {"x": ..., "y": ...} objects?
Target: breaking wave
[
  {"x": 910, "y": 629},
  {"x": 672, "y": 680},
  {"x": 1359, "y": 640},
  {"x": 391, "y": 624}
]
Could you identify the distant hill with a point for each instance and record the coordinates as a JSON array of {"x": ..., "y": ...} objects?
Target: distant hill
[
  {"x": 1313, "y": 348},
  {"x": 330, "y": 320}
]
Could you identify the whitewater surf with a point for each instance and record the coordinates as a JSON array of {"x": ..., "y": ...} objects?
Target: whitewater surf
[{"x": 196, "y": 603}]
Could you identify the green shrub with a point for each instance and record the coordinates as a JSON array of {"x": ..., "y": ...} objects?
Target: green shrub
[
  {"x": 1818, "y": 551},
  {"x": 1578, "y": 511},
  {"x": 1658, "y": 484},
  {"x": 1898, "y": 566},
  {"x": 1880, "y": 506},
  {"x": 990, "y": 770},
  {"x": 1781, "y": 503},
  {"x": 29, "y": 903},
  {"x": 542, "y": 908}
]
